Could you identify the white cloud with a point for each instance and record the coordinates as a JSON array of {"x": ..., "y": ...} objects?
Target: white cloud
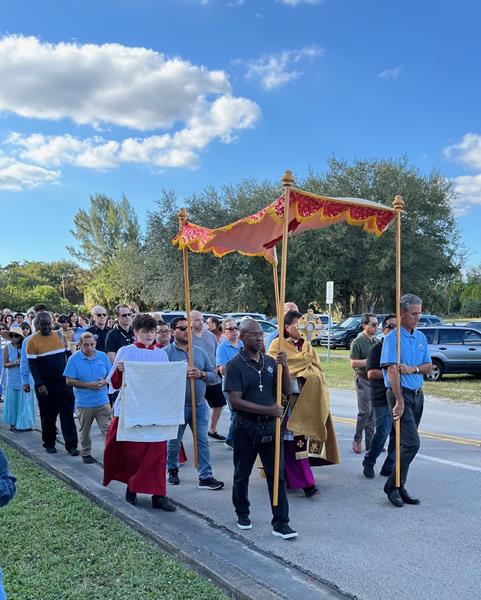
[
  {"x": 16, "y": 175},
  {"x": 275, "y": 70},
  {"x": 390, "y": 73},
  {"x": 98, "y": 84},
  {"x": 467, "y": 151},
  {"x": 297, "y": 2},
  {"x": 218, "y": 120},
  {"x": 468, "y": 191}
]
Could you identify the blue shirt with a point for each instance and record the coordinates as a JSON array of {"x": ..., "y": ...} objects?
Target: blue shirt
[
  {"x": 414, "y": 352},
  {"x": 25, "y": 374},
  {"x": 87, "y": 369},
  {"x": 201, "y": 361},
  {"x": 226, "y": 351}
]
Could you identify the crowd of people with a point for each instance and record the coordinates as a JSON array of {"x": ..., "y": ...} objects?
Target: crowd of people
[{"x": 74, "y": 368}]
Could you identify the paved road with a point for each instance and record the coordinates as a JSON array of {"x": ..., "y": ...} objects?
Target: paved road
[{"x": 350, "y": 535}]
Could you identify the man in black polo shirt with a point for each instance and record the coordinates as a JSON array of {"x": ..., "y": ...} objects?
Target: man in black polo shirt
[
  {"x": 382, "y": 412},
  {"x": 99, "y": 328},
  {"x": 122, "y": 333},
  {"x": 250, "y": 381}
]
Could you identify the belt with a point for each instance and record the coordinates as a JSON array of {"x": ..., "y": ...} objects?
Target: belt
[
  {"x": 410, "y": 391},
  {"x": 255, "y": 418}
]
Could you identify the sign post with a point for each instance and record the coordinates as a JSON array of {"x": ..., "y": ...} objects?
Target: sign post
[{"x": 329, "y": 300}]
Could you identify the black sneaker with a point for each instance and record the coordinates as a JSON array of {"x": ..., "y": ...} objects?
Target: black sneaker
[
  {"x": 73, "y": 452},
  {"x": 174, "y": 477},
  {"x": 210, "y": 484},
  {"x": 88, "y": 460},
  {"x": 217, "y": 436},
  {"x": 368, "y": 471},
  {"x": 243, "y": 522},
  {"x": 163, "y": 503},
  {"x": 284, "y": 531},
  {"x": 131, "y": 497},
  {"x": 51, "y": 450}
]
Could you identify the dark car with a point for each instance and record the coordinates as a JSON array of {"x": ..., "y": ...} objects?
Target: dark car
[
  {"x": 474, "y": 325},
  {"x": 453, "y": 349},
  {"x": 343, "y": 334},
  {"x": 429, "y": 320}
]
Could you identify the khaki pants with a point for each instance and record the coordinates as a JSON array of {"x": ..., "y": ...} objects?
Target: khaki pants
[{"x": 86, "y": 416}]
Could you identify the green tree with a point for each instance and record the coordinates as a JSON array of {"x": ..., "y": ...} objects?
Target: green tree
[{"x": 104, "y": 229}]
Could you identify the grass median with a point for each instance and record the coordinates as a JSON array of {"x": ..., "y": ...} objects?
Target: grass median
[
  {"x": 454, "y": 388},
  {"x": 55, "y": 544}
]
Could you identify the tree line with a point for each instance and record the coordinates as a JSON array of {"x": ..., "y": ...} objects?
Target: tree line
[{"x": 124, "y": 264}]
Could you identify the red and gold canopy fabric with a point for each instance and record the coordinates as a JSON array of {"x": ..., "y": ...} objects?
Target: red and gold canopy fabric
[{"x": 257, "y": 235}]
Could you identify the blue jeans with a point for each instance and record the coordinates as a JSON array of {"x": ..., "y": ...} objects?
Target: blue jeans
[
  {"x": 384, "y": 427},
  {"x": 202, "y": 422},
  {"x": 2, "y": 592}
]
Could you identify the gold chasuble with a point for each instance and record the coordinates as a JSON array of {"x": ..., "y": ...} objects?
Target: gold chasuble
[{"x": 310, "y": 413}]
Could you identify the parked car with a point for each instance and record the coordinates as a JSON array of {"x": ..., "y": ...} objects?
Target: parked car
[
  {"x": 169, "y": 315},
  {"x": 240, "y": 315},
  {"x": 429, "y": 320},
  {"x": 267, "y": 326},
  {"x": 343, "y": 334},
  {"x": 474, "y": 325},
  {"x": 453, "y": 349}
]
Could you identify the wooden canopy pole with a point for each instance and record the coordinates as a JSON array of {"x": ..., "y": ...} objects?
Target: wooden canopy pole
[
  {"x": 287, "y": 182},
  {"x": 276, "y": 289},
  {"x": 398, "y": 204},
  {"x": 182, "y": 222}
]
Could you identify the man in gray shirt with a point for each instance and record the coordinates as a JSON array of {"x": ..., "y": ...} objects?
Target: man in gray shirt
[
  {"x": 202, "y": 372},
  {"x": 202, "y": 338}
]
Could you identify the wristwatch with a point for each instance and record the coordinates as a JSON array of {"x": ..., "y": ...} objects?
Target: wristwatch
[{"x": 417, "y": 370}]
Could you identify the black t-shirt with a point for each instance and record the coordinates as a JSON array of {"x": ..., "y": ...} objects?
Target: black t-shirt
[
  {"x": 378, "y": 390},
  {"x": 242, "y": 375},
  {"x": 100, "y": 335},
  {"x": 118, "y": 337}
]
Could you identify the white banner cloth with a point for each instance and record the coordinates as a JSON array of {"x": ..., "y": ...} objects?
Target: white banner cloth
[{"x": 152, "y": 401}]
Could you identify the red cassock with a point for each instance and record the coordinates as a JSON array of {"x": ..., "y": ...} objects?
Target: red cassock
[{"x": 141, "y": 465}]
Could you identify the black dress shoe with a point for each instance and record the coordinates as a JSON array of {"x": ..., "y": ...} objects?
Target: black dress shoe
[
  {"x": 385, "y": 472},
  {"x": 368, "y": 471},
  {"x": 394, "y": 497},
  {"x": 163, "y": 503},
  {"x": 406, "y": 498},
  {"x": 131, "y": 497},
  {"x": 52, "y": 450},
  {"x": 88, "y": 460},
  {"x": 310, "y": 490},
  {"x": 73, "y": 451}
]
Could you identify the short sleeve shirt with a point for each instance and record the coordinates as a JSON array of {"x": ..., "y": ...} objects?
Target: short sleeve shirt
[
  {"x": 117, "y": 338},
  {"x": 360, "y": 349},
  {"x": 242, "y": 375},
  {"x": 225, "y": 352},
  {"x": 87, "y": 370},
  {"x": 414, "y": 352},
  {"x": 100, "y": 336}
]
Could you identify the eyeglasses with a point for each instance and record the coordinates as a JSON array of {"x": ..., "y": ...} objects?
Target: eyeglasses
[
  {"x": 163, "y": 331},
  {"x": 231, "y": 329},
  {"x": 125, "y": 315},
  {"x": 100, "y": 315},
  {"x": 391, "y": 326},
  {"x": 183, "y": 328},
  {"x": 373, "y": 324}
]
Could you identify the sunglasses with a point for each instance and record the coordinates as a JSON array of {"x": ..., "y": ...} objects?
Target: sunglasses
[
  {"x": 100, "y": 315},
  {"x": 125, "y": 315},
  {"x": 183, "y": 328},
  {"x": 391, "y": 326},
  {"x": 231, "y": 329}
]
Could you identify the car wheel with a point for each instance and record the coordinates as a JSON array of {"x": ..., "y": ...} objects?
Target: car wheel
[
  {"x": 349, "y": 342},
  {"x": 437, "y": 371}
]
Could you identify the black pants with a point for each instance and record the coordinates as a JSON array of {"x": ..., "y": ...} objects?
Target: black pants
[
  {"x": 247, "y": 445},
  {"x": 59, "y": 401},
  {"x": 413, "y": 411}
]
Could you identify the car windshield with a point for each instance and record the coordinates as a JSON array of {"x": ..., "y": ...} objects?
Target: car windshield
[{"x": 350, "y": 323}]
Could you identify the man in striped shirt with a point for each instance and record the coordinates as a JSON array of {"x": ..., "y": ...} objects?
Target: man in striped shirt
[{"x": 47, "y": 356}]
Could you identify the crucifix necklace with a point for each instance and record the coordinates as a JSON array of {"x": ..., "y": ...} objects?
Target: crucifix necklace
[{"x": 258, "y": 371}]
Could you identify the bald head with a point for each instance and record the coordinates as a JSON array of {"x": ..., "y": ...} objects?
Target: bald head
[
  {"x": 288, "y": 306},
  {"x": 249, "y": 326},
  {"x": 197, "y": 321}
]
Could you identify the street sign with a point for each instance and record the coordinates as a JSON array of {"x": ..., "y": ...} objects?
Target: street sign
[{"x": 329, "y": 292}]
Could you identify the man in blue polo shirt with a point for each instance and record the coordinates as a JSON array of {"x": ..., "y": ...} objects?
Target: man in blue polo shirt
[
  {"x": 86, "y": 372},
  {"x": 404, "y": 389}
]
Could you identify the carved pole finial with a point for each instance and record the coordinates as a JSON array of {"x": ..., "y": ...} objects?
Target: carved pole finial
[
  {"x": 288, "y": 179},
  {"x": 398, "y": 202},
  {"x": 182, "y": 217}
]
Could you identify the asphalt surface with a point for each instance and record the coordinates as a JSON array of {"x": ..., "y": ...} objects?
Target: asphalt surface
[{"x": 350, "y": 536}]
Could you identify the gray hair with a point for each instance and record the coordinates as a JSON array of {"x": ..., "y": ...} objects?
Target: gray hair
[
  {"x": 408, "y": 300},
  {"x": 228, "y": 320},
  {"x": 97, "y": 309},
  {"x": 85, "y": 336},
  {"x": 42, "y": 314}
]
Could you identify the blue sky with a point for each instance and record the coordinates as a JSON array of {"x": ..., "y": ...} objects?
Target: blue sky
[{"x": 131, "y": 96}]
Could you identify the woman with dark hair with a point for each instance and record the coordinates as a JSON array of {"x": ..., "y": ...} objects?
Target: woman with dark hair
[
  {"x": 27, "y": 330},
  {"x": 309, "y": 437},
  {"x": 214, "y": 325},
  {"x": 8, "y": 320},
  {"x": 82, "y": 325}
]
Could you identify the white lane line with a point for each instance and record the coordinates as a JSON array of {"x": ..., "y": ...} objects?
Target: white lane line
[{"x": 450, "y": 463}]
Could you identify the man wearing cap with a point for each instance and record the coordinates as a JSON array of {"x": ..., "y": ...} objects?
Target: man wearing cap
[
  {"x": 47, "y": 356},
  {"x": 99, "y": 328}
]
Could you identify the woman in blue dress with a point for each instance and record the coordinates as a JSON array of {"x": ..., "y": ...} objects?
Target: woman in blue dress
[{"x": 19, "y": 406}]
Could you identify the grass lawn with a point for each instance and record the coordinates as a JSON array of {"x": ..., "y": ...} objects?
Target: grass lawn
[
  {"x": 455, "y": 388},
  {"x": 56, "y": 545}
]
